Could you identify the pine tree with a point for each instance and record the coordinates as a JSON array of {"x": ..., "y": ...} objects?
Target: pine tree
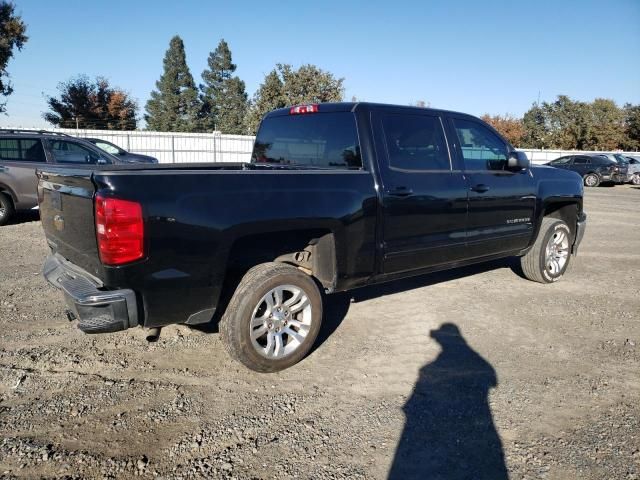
[
  {"x": 174, "y": 105},
  {"x": 232, "y": 108},
  {"x": 224, "y": 98},
  {"x": 268, "y": 97}
]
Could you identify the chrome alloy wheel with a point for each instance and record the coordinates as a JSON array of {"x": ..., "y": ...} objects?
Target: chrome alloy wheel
[
  {"x": 557, "y": 252},
  {"x": 3, "y": 212},
  {"x": 591, "y": 180},
  {"x": 280, "y": 322}
]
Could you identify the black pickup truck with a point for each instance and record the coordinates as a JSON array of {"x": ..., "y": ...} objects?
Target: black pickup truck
[{"x": 336, "y": 196}]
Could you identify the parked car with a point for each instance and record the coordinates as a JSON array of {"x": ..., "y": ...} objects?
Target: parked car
[
  {"x": 622, "y": 161},
  {"x": 594, "y": 169},
  {"x": 336, "y": 196},
  {"x": 634, "y": 170},
  {"x": 23, "y": 151},
  {"x": 121, "y": 153}
]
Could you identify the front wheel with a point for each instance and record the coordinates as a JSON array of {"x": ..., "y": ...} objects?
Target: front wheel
[
  {"x": 591, "y": 180},
  {"x": 636, "y": 179},
  {"x": 550, "y": 255},
  {"x": 273, "y": 318}
]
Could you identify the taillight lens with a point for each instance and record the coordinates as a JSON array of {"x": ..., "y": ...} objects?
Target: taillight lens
[
  {"x": 299, "y": 109},
  {"x": 119, "y": 230}
]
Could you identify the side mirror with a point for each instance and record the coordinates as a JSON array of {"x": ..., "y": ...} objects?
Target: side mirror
[{"x": 518, "y": 160}]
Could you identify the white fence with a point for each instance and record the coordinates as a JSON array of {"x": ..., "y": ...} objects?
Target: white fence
[
  {"x": 544, "y": 156},
  {"x": 178, "y": 147}
]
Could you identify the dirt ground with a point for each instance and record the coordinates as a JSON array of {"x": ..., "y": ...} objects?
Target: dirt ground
[{"x": 473, "y": 373}]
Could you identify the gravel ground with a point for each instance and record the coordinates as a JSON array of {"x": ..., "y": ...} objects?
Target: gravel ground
[{"x": 473, "y": 373}]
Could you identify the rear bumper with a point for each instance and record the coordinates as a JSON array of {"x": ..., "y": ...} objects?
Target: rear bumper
[
  {"x": 581, "y": 226},
  {"x": 98, "y": 311}
]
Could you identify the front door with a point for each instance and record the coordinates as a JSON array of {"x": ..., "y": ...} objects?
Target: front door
[
  {"x": 424, "y": 192},
  {"x": 501, "y": 201}
]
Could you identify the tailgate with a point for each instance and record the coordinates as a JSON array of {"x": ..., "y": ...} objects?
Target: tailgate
[{"x": 65, "y": 195}]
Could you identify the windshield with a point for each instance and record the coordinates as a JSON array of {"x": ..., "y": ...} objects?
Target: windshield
[
  {"x": 108, "y": 147},
  {"x": 318, "y": 140}
]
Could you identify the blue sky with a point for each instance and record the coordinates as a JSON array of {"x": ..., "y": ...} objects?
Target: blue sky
[{"x": 474, "y": 56}]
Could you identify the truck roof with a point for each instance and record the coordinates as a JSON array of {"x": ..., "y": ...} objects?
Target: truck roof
[{"x": 357, "y": 106}]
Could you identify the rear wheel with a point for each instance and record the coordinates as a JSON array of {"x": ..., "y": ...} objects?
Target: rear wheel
[
  {"x": 273, "y": 318},
  {"x": 550, "y": 255},
  {"x": 6, "y": 209},
  {"x": 591, "y": 180}
]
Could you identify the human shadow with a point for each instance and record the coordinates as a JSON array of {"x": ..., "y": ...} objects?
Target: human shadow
[{"x": 449, "y": 431}]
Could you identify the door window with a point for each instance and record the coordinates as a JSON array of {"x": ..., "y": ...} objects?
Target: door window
[
  {"x": 21, "y": 150},
  {"x": 415, "y": 142},
  {"x": 581, "y": 161},
  {"x": 481, "y": 148},
  {"x": 70, "y": 152},
  {"x": 561, "y": 161}
]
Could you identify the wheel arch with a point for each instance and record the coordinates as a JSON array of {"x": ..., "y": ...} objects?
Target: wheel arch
[
  {"x": 6, "y": 189},
  {"x": 312, "y": 250}
]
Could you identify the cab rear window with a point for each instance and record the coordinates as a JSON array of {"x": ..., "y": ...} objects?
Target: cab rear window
[{"x": 318, "y": 140}]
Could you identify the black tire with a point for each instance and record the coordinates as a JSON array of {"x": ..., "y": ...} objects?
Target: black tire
[
  {"x": 534, "y": 262},
  {"x": 6, "y": 209},
  {"x": 235, "y": 323},
  {"x": 591, "y": 180}
]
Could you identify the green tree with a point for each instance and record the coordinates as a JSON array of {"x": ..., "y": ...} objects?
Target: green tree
[
  {"x": 12, "y": 35},
  {"x": 174, "y": 105},
  {"x": 310, "y": 84},
  {"x": 224, "y": 97},
  {"x": 536, "y": 132},
  {"x": 83, "y": 103},
  {"x": 285, "y": 86},
  {"x": 269, "y": 96},
  {"x": 631, "y": 127},
  {"x": 569, "y": 123},
  {"x": 607, "y": 126}
]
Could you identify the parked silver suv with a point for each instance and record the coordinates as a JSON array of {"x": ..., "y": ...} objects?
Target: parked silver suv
[{"x": 24, "y": 151}]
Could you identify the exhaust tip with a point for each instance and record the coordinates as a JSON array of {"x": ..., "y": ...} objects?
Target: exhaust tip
[{"x": 153, "y": 334}]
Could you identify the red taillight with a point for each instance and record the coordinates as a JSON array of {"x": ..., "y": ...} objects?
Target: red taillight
[
  {"x": 119, "y": 229},
  {"x": 298, "y": 109}
]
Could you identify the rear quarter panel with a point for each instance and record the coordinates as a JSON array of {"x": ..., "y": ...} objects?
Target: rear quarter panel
[{"x": 192, "y": 220}]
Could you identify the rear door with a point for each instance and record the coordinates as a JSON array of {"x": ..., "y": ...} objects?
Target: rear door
[
  {"x": 582, "y": 165},
  {"x": 19, "y": 159},
  {"x": 501, "y": 201},
  {"x": 424, "y": 192}
]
